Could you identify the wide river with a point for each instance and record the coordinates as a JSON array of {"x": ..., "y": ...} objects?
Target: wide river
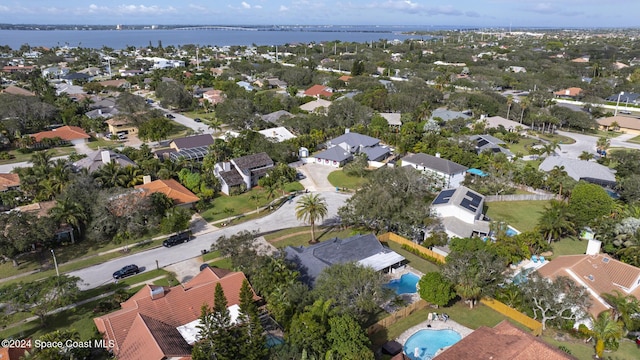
[{"x": 119, "y": 39}]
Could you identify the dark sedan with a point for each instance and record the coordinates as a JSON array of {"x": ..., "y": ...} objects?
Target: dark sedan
[{"x": 126, "y": 271}]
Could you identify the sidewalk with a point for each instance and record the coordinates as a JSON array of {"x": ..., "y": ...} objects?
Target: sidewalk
[{"x": 82, "y": 302}]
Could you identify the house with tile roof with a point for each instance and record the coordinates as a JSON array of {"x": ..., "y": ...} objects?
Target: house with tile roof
[
  {"x": 241, "y": 172},
  {"x": 460, "y": 211},
  {"x": 451, "y": 174},
  {"x": 95, "y": 160},
  {"x": 121, "y": 125},
  {"x": 277, "y": 134},
  {"x": 72, "y": 134},
  {"x": 597, "y": 272},
  {"x": 569, "y": 93},
  {"x": 180, "y": 195},
  {"x": 14, "y": 90},
  {"x": 504, "y": 341},
  {"x": 627, "y": 124},
  {"x": 318, "y": 90},
  {"x": 494, "y": 122},
  {"x": 363, "y": 249},
  {"x": 341, "y": 149},
  {"x": 214, "y": 96},
  {"x": 9, "y": 181},
  {"x": 277, "y": 116},
  {"x": 393, "y": 119},
  {"x": 316, "y": 106},
  {"x": 159, "y": 323}
]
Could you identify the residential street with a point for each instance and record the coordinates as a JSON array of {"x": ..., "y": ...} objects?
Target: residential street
[
  {"x": 280, "y": 219},
  {"x": 588, "y": 143}
]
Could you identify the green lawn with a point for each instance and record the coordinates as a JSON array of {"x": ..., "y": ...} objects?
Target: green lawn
[
  {"x": 560, "y": 138},
  {"x": 522, "y": 146},
  {"x": 414, "y": 260},
  {"x": 635, "y": 140},
  {"x": 101, "y": 143},
  {"x": 322, "y": 234},
  {"x": 20, "y": 157},
  {"x": 339, "y": 179},
  {"x": 522, "y": 215},
  {"x": 224, "y": 206},
  {"x": 569, "y": 246}
]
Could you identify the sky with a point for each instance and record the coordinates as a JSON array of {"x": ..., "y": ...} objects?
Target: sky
[{"x": 481, "y": 13}]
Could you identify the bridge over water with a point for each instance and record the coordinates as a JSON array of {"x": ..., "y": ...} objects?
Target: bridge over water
[{"x": 214, "y": 27}]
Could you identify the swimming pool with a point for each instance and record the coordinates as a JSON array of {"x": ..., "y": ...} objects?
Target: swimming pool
[
  {"x": 511, "y": 231},
  {"x": 424, "y": 344},
  {"x": 273, "y": 340},
  {"x": 407, "y": 284}
]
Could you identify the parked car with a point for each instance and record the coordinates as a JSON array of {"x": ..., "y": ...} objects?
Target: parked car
[
  {"x": 204, "y": 266},
  {"x": 169, "y": 116},
  {"x": 177, "y": 239},
  {"x": 197, "y": 120},
  {"x": 149, "y": 101},
  {"x": 126, "y": 271},
  {"x": 300, "y": 176}
]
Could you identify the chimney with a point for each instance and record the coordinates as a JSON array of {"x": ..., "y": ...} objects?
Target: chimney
[
  {"x": 157, "y": 292},
  {"x": 146, "y": 179},
  {"x": 226, "y": 166},
  {"x": 437, "y": 155},
  {"x": 347, "y": 130},
  {"x": 106, "y": 156},
  {"x": 593, "y": 247}
]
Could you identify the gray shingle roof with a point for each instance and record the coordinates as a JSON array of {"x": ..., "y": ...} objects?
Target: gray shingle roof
[
  {"x": 435, "y": 163},
  {"x": 335, "y": 153},
  {"x": 376, "y": 152},
  {"x": 250, "y": 162},
  {"x": 93, "y": 161},
  {"x": 311, "y": 260},
  {"x": 232, "y": 177},
  {"x": 193, "y": 141},
  {"x": 579, "y": 169},
  {"x": 354, "y": 140}
]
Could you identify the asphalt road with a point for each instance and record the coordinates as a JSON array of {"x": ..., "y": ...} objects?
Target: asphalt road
[
  {"x": 588, "y": 143},
  {"x": 280, "y": 219},
  {"x": 186, "y": 121}
]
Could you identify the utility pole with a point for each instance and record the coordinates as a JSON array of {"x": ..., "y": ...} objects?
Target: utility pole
[{"x": 55, "y": 263}]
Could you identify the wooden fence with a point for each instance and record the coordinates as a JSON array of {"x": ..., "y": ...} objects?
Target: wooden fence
[
  {"x": 402, "y": 241},
  {"x": 535, "y": 326},
  {"x": 398, "y": 315}
]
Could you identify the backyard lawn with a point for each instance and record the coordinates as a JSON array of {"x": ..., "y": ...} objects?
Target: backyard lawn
[
  {"x": 522, "y": 215},
  {"x": 339, "y": 179},
  {"x": 569, "y": 246},
  {"x": 300, "y": 236}
]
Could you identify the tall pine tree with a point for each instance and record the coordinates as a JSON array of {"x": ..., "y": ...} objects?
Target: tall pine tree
[
  {"x": 218, "y": 335},
  {"x": 253, "y": 341}
]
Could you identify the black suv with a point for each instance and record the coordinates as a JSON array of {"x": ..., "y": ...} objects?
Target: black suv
[
  {"x": 177, "y": 239},
  {"x": 126, "y": 271}
]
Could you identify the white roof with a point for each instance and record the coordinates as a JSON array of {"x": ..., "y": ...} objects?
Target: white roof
[
  {"x": 381, "y": 260},
  {"x": 392, "y": 118},
  {"x": 280, "y": 133},
  {"x": 190, "y": 331}
]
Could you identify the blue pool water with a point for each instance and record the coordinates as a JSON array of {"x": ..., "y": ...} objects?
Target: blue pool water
[
  {"x": 424, "y": 344},
  {"x": 407, "y": 284},
  {"x": 273, "y": 340},
  {"x": 511, "y": 231}
]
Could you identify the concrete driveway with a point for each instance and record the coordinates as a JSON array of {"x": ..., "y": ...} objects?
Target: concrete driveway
[
  {"x": 316, "y": 177},
  {"x": 588, "y": 143}
]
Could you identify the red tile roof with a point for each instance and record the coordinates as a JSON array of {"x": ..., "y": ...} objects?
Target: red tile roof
[
  {"x": 67, "y": 133},
  {"x": 17, "y": 91},
  {"x": 600, "y": 273},
  {"x": 570, "y": 92},
  {"x": 318, "y": 90},
  {"x": 8, "y": 181},
  {"x": 173, "y": 189},
  {"x": 502, "y": 342},
  {"x": 145, "y": 328}
]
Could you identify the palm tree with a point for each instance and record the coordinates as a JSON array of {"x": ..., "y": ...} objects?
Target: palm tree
[
  {"x": 68, "y": 211},
  {"x": 603, "y": 143},
  {"x": 524, "y": 104},
  {"x": 131, "y": 176},
  {"x": 605, "y": 328},
  {"x": 255, "y": 197},
  {"x": 41, "y": 159},
  {"x": 554, "y": 221},
  {"x": 215, "y": 125},
  {"x": 585, "y": 155},
  {"x": 509, "y": 103},
  {"x": 550, "y": 148},
  {"x": 311, "y": 208},
  {"x": 622, "y": 307},
  {"x": 110, "y": 175}
]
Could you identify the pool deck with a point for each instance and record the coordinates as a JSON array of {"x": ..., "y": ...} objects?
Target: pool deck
[{"x": 435, "y": 325}]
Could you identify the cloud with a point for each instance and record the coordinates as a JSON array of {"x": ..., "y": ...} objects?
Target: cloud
[
  {"x": 283, "y": 8},
  {"x": 129, "y": 10},
  {"x": 246, "y": 5}
]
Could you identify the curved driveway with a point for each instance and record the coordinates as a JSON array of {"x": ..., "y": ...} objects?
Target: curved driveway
[
  {"x": 588, "y": 143},
  {"x": 280, "y": 219}
]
